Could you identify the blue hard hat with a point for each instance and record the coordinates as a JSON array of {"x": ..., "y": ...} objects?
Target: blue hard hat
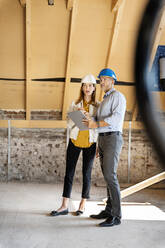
[{"x": 108, "y": 73}]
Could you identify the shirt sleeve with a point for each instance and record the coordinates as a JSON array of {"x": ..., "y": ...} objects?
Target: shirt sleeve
[
  {"x": 70, "y": 123},
  {"x": 94, "y": 116},
  {"x": 117, "y": 110}
]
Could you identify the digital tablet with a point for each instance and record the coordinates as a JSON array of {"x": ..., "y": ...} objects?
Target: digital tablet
[{"x": 77, "y": 117}]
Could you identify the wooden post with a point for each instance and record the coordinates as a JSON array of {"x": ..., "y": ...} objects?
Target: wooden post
[
  {"x": 115, "y": 31},
  {"x": 28, "y": 57},
  {"x": 117, "y": 8},
  {"x": 68, "y": 63}
]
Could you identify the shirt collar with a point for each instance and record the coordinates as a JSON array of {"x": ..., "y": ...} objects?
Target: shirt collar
[{"x": 108, "y": 92}]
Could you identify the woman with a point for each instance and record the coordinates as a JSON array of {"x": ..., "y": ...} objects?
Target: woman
[{"x": 84, "y": 141}]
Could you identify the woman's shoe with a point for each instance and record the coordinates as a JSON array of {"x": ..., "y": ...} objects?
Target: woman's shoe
[{"x": 55, "y": 213}]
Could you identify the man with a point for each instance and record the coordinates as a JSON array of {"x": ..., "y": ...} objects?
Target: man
[{"x": 109, "y": 121}]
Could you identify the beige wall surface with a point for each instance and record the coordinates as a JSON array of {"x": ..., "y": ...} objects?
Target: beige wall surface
[
  {"x": 46, "y": 95},
  {"x": 122, "y": 59},
  {"x": 93, "y": 30},
  {"x": 12, "y": 39},
  {"x": 49, "y": 36},
  {"x": 12, "y": 94}
]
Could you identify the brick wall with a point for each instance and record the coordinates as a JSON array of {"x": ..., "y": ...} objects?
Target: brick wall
[
  {"x": 40, "y": 115},
  {"x": 39, "y": 155},
  {"x": 35, "y": 115}
]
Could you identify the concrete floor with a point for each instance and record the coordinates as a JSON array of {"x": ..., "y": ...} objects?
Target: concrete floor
[{"x": 24, "y": 220}]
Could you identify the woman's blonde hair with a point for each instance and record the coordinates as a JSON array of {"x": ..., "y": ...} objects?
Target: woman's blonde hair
[{"x": 81, "y": 95}]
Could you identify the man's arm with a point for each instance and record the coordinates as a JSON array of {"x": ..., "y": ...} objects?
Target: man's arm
[{"x": 94, "y": 124}]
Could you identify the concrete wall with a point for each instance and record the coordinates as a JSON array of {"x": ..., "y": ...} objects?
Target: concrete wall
[{"x": 39, "y": 155}]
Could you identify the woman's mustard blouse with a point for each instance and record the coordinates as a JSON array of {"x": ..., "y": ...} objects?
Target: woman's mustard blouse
[{"x": 83, "y": 136}]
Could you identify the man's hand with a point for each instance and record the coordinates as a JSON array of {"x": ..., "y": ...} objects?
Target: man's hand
[
  {"x": 87, "y": 115},
  {"x": 97, "y": 152}
]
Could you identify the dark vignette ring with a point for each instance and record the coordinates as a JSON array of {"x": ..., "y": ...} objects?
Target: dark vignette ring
[{"x": 143, "y": 77}]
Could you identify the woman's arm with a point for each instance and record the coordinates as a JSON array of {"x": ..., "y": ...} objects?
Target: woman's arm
[{"x": 70, "y": 123}]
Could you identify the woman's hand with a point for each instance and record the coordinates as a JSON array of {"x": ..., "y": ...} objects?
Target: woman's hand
[
  {"x": 89, "y": 123},
  {"x": 81, "y": 109}
]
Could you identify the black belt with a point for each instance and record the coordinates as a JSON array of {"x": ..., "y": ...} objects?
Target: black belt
[{"x": 109, "y": 133}]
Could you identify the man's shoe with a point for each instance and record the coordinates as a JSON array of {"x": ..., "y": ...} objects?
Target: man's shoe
[
  {"x": 111, "y": 221},
  {"x": 102, "y": 215},
  {"x": 55, "y": 213},
  {"x": 79, "y": 212}
]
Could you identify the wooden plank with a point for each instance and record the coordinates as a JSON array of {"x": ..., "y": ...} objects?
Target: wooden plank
[
  {"x": 160, "y": 30},
  {"x": 28, "y": 57},
  {"x": 33, "y": 124},
  {"x": 57, "y": 124},
  {"x": 142, "y": 185},
  {"x": 38, "y": 124},
  {"x": 115, "y": 31},
  {"x": 68, "y": 63},
  {"x": 23, "y": 3}
]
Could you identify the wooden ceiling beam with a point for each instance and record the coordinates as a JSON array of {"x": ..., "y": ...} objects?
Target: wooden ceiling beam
[
  {"x": 68, "y": 62},
  {"x": 115, "y": 30},
  {"x": 118, "y": 7},
  {"x": 69, "y": 4},
  {"x": 23, "y": 3},
  {"x": 116, "y": 4}
]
